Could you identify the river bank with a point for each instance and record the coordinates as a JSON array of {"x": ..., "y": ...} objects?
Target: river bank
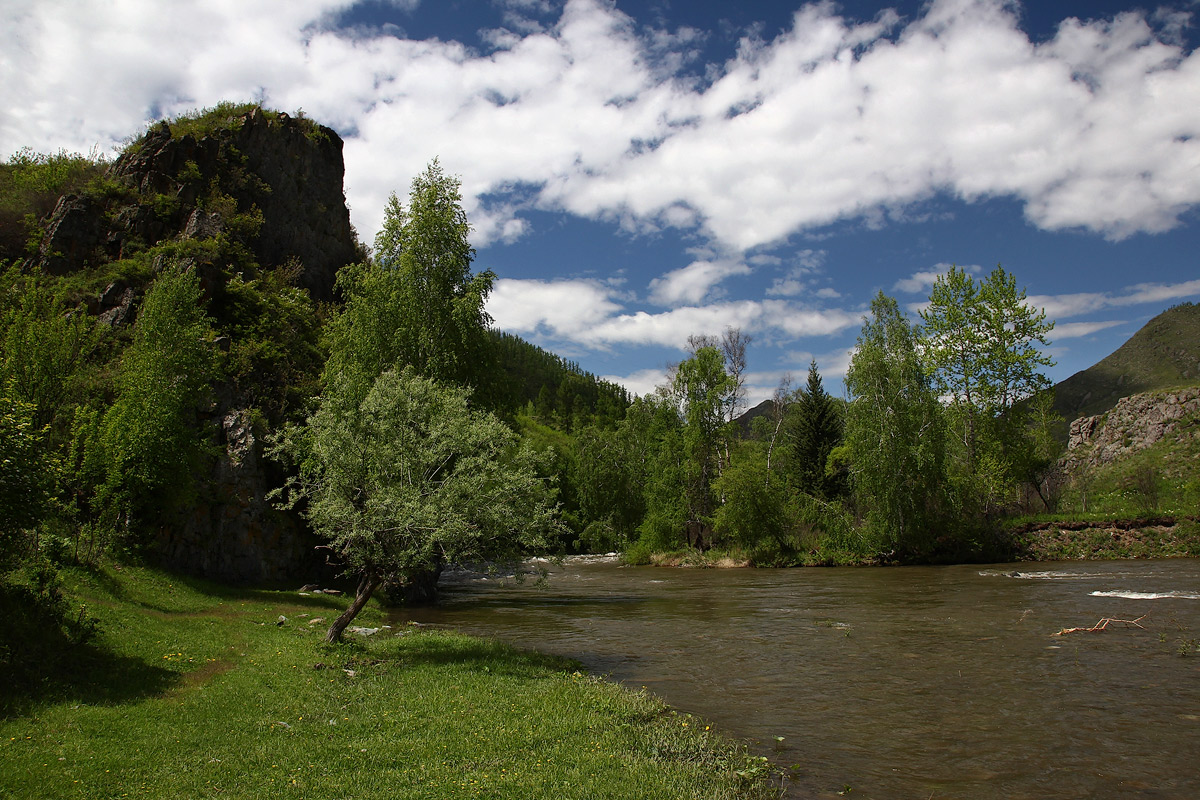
[
  {"x": 1039, "y": 540},
  {"x": 196, "y": 690}
]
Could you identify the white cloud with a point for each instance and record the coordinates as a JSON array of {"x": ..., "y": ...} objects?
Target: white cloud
[
  {"x": 922, "y": 282},
  {"x": 1076, "y": 330},
  {"x": 563, "y": 309},
  {"x": 691, "y": 284},
  {"x": 642, "y": 382},
  {"x": 796, "y": 281},
  {"x": 1095, "y": 128},
  {"x": 1074, "y": 305},
  {"x": 586, "y": 313}
]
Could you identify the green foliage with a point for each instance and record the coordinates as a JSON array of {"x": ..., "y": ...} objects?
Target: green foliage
[
  {"x": 701, "y": 390},
  {"x": 412, "y": 478},
  {"x": 655, "y": 429},
  {"x": 150, "y": 437},
  {"x": 981, "y": 343},
  {"x": 611, "y": 472},
  {"x": 418, "y": 304},
  {"x": 30, "y": 185},
  {"x": 275, "y": 355},
  {"x": 754, "y": 509},
  {"x": 812, "y": 428},
  {"x": 26, "y": 475},
  {"x": 228, "y": 116},
  {"x": 560, "y": 391},
  {"x": 41, "y": 633},
  {"x": 45, "y": 342},
  {"x": 895, "y": 430}
]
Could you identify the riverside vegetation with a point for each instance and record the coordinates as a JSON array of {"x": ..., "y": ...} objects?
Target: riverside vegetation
[{"x": 165, "y": 316}]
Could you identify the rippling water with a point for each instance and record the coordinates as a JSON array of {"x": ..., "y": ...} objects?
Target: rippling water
[{"x": 908, "y": 682}]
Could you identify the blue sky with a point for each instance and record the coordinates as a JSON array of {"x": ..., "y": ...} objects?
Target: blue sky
[{"x": 640, "y": 171}]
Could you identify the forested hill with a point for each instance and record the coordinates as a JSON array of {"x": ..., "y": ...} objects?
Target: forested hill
[
  {"x": 1164, "y": 354},
  {"x": 552, "y": 387}
]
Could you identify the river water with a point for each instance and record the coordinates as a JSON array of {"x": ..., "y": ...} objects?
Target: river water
[{"x": 901, "y": 682}]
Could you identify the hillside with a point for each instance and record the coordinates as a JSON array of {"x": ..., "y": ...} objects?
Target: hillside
[{"x": 1164, "y": 354}]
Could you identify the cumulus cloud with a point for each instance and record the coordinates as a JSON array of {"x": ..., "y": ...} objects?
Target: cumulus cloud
[
  {"x": 921, "y": 282},
  {"x": 587, "y": 313},
  {"x": 691, "y": 284},
  {"x": 1095, "y": 128},
  {"x": 642, "y": 382}
]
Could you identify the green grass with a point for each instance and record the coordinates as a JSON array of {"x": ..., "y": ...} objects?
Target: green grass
[
  {"x": 1161, "y": 480},
  {"x": 192, "y": 690}
]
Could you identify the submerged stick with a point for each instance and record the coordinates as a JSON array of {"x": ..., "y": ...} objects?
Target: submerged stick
[{"x": 1102, "y": 624}]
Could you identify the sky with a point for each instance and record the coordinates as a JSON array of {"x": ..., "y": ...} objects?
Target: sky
[{"x": 639, "y": 171}]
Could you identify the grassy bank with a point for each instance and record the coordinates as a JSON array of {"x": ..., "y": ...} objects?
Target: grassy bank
[
  {"x": 193, "y": 690},
  {"x": 1047, "y": 538}
]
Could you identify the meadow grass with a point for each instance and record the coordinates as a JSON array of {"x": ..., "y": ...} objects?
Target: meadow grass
[{"x": 194, "y": 690}]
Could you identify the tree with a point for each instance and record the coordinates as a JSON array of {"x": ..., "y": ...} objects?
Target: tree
[
  {"x": 981, "y": 345},
  {"x": 45, "y": 342},
  {"x": 25, "y": 474},
  {"x": 701, "y": 389},
  {"x": 894, "y": 430},
  {"x": 754, "y": 511},
  {"x": 412, "y": 477},
  {"x": 417, "y": 304},
  {"x": 814, "y": 428},
  {"x": 150, "y": 438}
]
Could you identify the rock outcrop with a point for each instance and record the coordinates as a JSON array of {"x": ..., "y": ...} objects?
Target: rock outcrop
[
  {"x": 287, "y": 172},
  {"x": 1133, "y": 424},
  {"x": 233, "y": 187},
  {"x": 231, "y": 532}
]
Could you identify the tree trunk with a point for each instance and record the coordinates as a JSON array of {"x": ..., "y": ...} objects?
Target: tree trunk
[{"x": 366, "y": 586}]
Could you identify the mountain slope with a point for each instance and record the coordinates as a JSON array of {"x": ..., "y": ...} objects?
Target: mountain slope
[{"x": 1164, "y": 354}]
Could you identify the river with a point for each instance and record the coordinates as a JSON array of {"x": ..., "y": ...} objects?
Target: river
[{"x": 901, "y": 682}]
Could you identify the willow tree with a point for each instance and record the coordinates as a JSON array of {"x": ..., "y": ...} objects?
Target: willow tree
[{"x": 410, "y": 477}]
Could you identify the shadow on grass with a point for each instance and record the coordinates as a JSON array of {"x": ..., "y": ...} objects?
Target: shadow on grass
[
  {"x": 47, "y": 656},
  {"x": 441, "y": 648}
]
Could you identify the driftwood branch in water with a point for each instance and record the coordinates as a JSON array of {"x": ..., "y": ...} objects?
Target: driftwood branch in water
[{"x": 1102, "y": 624}]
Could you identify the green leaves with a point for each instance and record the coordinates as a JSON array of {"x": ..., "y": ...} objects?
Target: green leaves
[
  {"x": 413, "y": 478},
  {"x": 149, "y": 439},
  {"x": 981, "y": 343},
  {"x": 895, "y": 431},
  {"x": 418, "y": 304}
]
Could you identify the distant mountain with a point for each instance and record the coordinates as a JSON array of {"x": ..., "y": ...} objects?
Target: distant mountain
[{"x": 1164, "y": 354}]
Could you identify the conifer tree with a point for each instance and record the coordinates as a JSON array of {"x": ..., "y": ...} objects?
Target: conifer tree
[{"x": 815, "y": 428}]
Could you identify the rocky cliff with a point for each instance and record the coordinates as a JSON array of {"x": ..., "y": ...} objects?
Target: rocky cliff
[
  {"x": 251, "y": 200},
  {"x": 1133, "y": 424},
  {"x": 281, "y": 175}
]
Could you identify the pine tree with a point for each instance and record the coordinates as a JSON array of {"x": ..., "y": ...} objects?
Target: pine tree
[{"x": 814, "y": 428}]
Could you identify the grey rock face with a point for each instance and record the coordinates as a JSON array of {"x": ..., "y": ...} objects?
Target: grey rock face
[
  {"x": 232, "y": 532},
  {"x": 1135, "y": 423}
]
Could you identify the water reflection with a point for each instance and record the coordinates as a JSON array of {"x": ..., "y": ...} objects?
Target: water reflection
[{"x": 913, "y": 682}]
